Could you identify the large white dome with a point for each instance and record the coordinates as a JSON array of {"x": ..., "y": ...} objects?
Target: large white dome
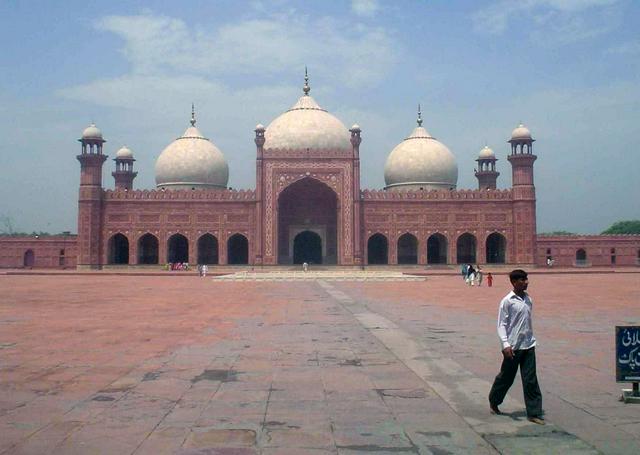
[
  {"x": 191, "y": 161},
  {"x": 521, "y": 132},
  {"x": 92, "y": 132},
  {"x": 420, "y": 162},
  {"x": 306, "y": 126}
]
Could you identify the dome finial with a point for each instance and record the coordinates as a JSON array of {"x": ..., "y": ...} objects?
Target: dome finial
[
  {"x": 419, "y": 116},
  {"x": 193, "y": 115},
  {"x": 306, "y": 89}
]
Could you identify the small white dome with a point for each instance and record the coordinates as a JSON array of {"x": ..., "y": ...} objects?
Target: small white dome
[
  {"x": 521, "y": 132},
  {"x": 124, "y": 153},
  {"x": 420, "y": 162},
  {"x": 92, "y": 132},
  {"x": 355, "y": 127},
  {"x": 191, "y": 161},
  {"x": 259, "y": 127},
  {"x": 486, "y": 153},
  {"x": 306, "y": 126}
]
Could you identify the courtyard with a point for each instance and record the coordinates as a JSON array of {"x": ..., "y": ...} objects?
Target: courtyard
[{"x": 132, "y": 364}]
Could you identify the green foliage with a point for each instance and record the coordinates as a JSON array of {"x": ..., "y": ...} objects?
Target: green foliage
[
  {"x": 25, "y": 234},
  {"x": 558, "y": 233},
  {"x": 624, "y": 227}
]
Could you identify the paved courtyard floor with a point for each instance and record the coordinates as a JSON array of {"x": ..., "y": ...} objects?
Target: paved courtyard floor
[{"x": 103, "y": 364}]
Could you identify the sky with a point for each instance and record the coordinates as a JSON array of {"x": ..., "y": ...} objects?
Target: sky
[{"x": 568, "y": 69}]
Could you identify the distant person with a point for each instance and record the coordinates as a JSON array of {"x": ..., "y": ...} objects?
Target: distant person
[
  {"x": 515, "y": 331},
  {"x": 305, "y": 266},
  {"x": 489, "y": 279},
  {"x": 463, "y": 270},
  {"x": 205, "y": 269},
  {"x": 471, "y": 272},
  {"x": 478, "y": 277}
]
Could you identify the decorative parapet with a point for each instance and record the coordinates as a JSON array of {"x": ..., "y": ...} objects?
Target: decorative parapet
[
  {"x": 587, "y": 237},
  {"x": 181, "y": 195},
  {"x": 295, "y": 152},
  {"x": 443, "y": 195}
]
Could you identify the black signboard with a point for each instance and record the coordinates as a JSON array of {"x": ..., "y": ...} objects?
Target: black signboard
[{"x": 627, "y": 353}]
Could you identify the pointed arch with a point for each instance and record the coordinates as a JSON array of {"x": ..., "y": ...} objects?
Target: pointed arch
[
  {"x": 118, "y": 249},
  {"x": 437, "y": 246},
  {"x": 28, "y": 258},
  {"x": 307, "y": 247},
  {"x": 496, "y": 248},
  {"x": 466, "y": 249},
  {"x": 377, "y": 249},
  {"x": 177, "y": 249},
  {"x": 237, "y": 249},
  {"x": 207, "y": 249},
  {"x": 148, "y": 249},
  {"x": 407, "y": 249}
]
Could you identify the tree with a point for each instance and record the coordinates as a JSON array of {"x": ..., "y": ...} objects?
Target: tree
[
  {"x": 558, "y": 233},
  {"x": 624, "y": 227}
]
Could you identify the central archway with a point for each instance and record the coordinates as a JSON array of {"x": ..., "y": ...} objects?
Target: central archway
[
  {"x": 307, "y": 206},
  {"x": 307, "y": 247}
]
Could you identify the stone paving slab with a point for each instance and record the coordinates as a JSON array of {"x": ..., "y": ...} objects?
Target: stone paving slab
[{"x": 145, "y": 365}]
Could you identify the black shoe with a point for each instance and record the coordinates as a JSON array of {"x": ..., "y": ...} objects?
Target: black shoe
[
  {"x": 537, "y": 420},
  {"x": 494, "y": 409}
]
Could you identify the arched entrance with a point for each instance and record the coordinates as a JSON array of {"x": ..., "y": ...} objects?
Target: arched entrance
[
  {"x": 307, "y": 247},
  {"x": 29, "y": 258},
  {"x": 466, "y": 249},
  {"x": 118, "y": 249},
  {"x": 377, "y": 249},
  {"x": 148, "y": 249},
  {"x": 207, "y": 249},
  {"x": 496, "y": 248},
  {"x": 237, "y": 249},
  {"x": 407, "y": 249},
  {"x": 178, "y": 249},
  {"x": 307, "y": 205},
  {"x": 437, "y": 249}
]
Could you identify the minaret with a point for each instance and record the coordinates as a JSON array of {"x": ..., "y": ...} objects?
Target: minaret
[
  {"x": 524, "y": 196},
  {"x": 90, "y": 199},
  {"x": 259, "y": 140},
  {"x": 486, "y": 173},
  {"x": 357, "y": 205},
  {"x": 124, "y": 174}
]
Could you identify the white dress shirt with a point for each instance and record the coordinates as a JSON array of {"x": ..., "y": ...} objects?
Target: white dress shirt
[{"x": 514, "y": 322}]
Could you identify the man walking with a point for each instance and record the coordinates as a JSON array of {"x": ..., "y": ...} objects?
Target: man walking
[{"x": 518, "y": 349}]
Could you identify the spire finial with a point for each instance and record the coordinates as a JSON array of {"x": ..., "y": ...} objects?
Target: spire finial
[
  {"x": 193, "y": 115},
  {"x": 306, "y": 89},
  {"x": 419, "y": 116}
]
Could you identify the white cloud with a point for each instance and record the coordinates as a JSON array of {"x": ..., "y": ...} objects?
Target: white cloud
[
  {"x": 552, "y": 21},
  {"x": 366, "y": 8},
  {"x": 269, "y": 46}
]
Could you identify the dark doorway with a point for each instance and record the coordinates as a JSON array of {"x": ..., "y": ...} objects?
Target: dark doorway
[
  {"x": 496, "y": 249},
  {"x": 29, "y": 258},
  {"x": 207, "y": 249},
  {"x": 581, "y": 255},
  {"x": 307, "y": 247},
  {"x": 237, "y": 249},
  {"x": 408, "y": 249},
  {"x": 377, "y": 249},
  {"x": 148, "y": 249},
  {"x": 306, "y": 204},
  {"x": 437, "y": 249},
  {"x": 118, "y": 249},
  {"x": 178, "y": 250},
  {"x": 466, "y": 249}
]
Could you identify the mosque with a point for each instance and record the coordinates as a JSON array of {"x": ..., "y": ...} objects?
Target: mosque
[{"x": 308, "y": 206}]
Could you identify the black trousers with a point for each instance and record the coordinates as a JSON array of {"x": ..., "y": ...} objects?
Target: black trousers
[{"x": 526, "y": 360}]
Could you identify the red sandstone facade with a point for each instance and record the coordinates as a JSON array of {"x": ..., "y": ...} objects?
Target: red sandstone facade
[{"x": 308, "y": 206}]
